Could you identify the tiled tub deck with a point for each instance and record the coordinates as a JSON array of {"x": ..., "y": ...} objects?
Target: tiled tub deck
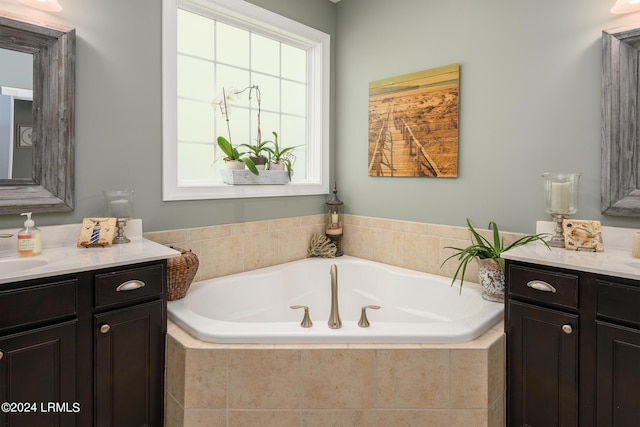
[{"x": 433, "y": 385}]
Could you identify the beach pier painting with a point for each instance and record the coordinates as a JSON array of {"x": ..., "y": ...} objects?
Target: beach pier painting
[{"x": 413, "y": 124}]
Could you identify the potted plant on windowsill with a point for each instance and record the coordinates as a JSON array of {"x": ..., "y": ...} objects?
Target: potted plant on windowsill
[
  {"x": 255, "y": 153},
  {"x": 281, "y": 158},
  {"x": 235, "y": 159},
  {"x": 490, "y": 264}
]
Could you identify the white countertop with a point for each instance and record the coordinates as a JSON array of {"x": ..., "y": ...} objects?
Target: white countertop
[
  {"x": 611, "y": 262},
  {"x": 63, "y": 257},
  {"x": 615, "y": 260}
]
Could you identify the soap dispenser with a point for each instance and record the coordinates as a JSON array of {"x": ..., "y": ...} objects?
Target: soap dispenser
[{"x": 29, "y": 238}]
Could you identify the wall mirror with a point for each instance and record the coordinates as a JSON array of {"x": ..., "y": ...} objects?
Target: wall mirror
[
  {"x": 50, "y": 187},
  {"x": 620, "y": 193}
]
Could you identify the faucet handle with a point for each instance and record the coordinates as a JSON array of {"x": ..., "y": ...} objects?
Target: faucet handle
[
  {"x": 364, "y": 322},
  {"x": 306, "y": 320}
]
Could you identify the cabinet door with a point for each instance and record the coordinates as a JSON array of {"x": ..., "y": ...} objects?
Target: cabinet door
[
  {"x": 38, "y": 368},
  {"x": 129, "y": 364},
  {"x": 618, "y": 376},
  {"x": 542, "y": 367}
]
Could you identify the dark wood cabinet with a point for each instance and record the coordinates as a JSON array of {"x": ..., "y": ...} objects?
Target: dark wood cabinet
[
  {"x": 128, "y": 366},
  {"x": 543, "y": 354},
  {"x": 573, "y": 348},
  {"x": 37, "y": 370},
  {"x": 86, "y": 348}
]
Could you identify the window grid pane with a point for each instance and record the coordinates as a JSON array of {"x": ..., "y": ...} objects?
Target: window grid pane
[{"x": 236, "y": 58}]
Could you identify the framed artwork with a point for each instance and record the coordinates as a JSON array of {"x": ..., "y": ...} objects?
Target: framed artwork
[
  {"x": 413, "y": 124},
  {"x": 24, "y": 135}
]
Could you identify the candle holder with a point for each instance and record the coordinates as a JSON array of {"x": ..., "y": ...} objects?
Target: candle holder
[
  {"x": 560, "y": 201},
  {"x": 333, "y": 229},
  {"x": 119, "y": 206}
]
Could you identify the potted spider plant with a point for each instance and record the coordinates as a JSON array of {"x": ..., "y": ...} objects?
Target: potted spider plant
[
  {"x": 281, "y": 158},
  {"x": 487, "y": 255}
]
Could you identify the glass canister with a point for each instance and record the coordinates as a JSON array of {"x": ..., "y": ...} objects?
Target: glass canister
[
  {"x": 561, "y": 193},
  {"x": 119, "y": 203}
]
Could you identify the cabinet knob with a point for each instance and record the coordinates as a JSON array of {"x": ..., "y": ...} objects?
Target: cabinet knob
[
  {"x": 567, "y": 329},
  {"x": 104, "y": 328},
  {"x": 1, "y": 355}
]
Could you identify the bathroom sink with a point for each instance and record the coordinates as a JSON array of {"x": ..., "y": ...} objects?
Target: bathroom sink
[{"x": 13, "y": 265}]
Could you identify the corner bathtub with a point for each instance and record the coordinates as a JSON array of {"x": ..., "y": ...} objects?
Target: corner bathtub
[{"x": 254, "y": 306}]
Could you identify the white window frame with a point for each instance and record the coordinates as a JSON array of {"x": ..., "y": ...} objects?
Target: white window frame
[{"x": 318, "y": 54}]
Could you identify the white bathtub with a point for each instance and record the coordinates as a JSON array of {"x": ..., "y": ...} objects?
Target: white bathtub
[{"x": 254, "y": 307}]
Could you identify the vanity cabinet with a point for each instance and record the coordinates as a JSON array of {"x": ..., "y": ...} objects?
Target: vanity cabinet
[
  {"x": 85, "y": 348},
  {"x": 573, "y": 347}
]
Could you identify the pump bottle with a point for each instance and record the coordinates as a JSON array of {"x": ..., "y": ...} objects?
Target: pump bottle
[{"x": 29, "y": 238}]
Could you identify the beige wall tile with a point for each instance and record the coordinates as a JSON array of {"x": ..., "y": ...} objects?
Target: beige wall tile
[
  {"x": 254, "y": 227},
  {"x": 280, "y": 223},
  {"x": 338, "y": 379},
  {"x": 293, "y": 243},
  {"x": 343, "y": 418},
  {"x": 312, "y": 220},
  {"x": 386, "y": 246},
  {"x": 413, "y": 418},
  {"x": 469, "y": 379},
  {"x": 206, "y": 233},
  {"x": 205, "y": 418},
  {"x": 173, "y": 412},
  {"x": 223, "y": 256},
  {"x": 265, "y": 379},
  {"x": 420, "y": 252},
  {"x": 264, "y": 418},
  {"x": 469, "y": 418},
  {"x": 166, "y": 237},
  {"x": 175, "y": 369},
  {"x": 372, "y": 222},
  {"x": 496, "y": 369},
  {"x": 497, "y": 414},
  {"x": 206, "y": 379},
  {"x": 450, "y": 232},
  {"x": 356, "y": 241},
  {"x": 260, "y": 250},
  {"x": 412, "y": 379},
  {"x": 411, "y": 227}
]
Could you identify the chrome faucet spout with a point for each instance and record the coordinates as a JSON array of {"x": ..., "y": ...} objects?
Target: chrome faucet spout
[{"x": 334, "y": 316}]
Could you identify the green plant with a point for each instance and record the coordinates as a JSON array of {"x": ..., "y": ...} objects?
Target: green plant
[
  {"x": 232, "y": 153},
  {"x": 482, "y": 248},
  {"x": 281, "y": 155}
]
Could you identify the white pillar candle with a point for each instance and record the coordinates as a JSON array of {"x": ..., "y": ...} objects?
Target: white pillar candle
[
  {"x": 560, "y": 196},
  {"x": 334, "y": 218},
  {"x": 120, "y": 208}
]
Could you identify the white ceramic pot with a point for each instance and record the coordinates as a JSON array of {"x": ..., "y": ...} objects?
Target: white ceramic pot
[
  {"x": 276, "y": 167},
  {"x": 234, "y": 164}
]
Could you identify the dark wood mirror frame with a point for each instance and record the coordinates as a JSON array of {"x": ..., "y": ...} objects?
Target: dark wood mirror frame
[
  {"x": 51, "y": 188},
  {"x": 620, "y": 192}
]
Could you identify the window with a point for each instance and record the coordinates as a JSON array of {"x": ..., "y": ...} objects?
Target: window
[{"x": 209, "y": 45}]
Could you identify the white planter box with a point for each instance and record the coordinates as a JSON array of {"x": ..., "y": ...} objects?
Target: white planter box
[{"x": 244, "y": 177}]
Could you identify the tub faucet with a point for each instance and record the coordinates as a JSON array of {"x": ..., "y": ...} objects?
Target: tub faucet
[{"x": 334, "y": 316}]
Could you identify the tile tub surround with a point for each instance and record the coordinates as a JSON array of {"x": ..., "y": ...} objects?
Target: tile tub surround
[
  {"x": 238, "y": 385},
  {"x": 234, "y": 248},
  {"x": 432, "y": 385}
]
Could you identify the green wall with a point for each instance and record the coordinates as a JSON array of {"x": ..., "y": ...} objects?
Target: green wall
[
  {"x": 529, "y": 103},
  {"x": 119, "y": 114}
]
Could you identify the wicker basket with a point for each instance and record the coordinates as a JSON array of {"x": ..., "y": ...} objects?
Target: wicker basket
[{"x": 180, "y": 273}]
